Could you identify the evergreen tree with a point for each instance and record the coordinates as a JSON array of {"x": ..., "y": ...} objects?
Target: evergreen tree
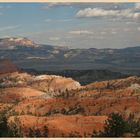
[
  {"x": 114, "y": 126},
  {"x": 45, "y": 134},
  {"x": 3, "y": 126}
]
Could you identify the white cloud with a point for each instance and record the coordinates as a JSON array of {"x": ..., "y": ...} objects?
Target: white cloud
[
  {"x": 5, "y": 7},
  {"x": 127, "y": 29},
  {"x": 99, "y": 12},
  {"x": 138, "y": 28},
  {"x": 48, "y": 20},
  {"x": 59, "y": 3},
  {"x": 54, "y": 38},
  {"x": 63, "y": 20},
  {"x": 56, "y": 4},
  {"x": 86, "y": 4},
  {"x": 58, "y": 20},
  {"x": 8, "y": 6},
  {"x": 81, "y": 32},
  {"x": 137, "y": 5},
  {"x": 5, "y": 28},
  {"x": 113, "y": 32},
  {"x": 103, "y": 33}
]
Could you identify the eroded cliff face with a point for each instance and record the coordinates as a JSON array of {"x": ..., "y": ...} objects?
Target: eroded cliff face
[
  {"x": 42, "y": 82},
  {"x": 56, "y": 106},
  {"x": 59, "y": 125}
]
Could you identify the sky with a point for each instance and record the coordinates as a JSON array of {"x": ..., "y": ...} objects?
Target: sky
[{"x": 87, "y": 25}]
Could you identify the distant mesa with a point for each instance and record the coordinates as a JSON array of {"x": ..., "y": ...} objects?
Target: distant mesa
[{"x": 7, "y": 66}]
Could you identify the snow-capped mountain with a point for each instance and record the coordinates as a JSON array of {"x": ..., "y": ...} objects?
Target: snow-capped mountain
[{"x": 13, "y": 42}]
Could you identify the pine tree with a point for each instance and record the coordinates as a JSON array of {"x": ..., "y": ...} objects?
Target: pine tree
[{"x": 114, "y": 126}]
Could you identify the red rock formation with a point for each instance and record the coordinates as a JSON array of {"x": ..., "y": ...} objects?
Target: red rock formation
[
  {"x": 38, "y": 101},
  {"x": 59, "y": 125}
]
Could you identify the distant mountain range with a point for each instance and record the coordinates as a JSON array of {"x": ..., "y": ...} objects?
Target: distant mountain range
[{"x": 29, "y": 55}]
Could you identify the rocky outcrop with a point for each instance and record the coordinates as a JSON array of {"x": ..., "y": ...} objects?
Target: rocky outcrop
[
  {"x": 58, "y": 126},
  {"x": 46, "y": 83}
]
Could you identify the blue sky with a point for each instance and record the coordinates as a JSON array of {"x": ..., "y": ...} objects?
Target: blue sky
[{"x": 89, "y": 25}]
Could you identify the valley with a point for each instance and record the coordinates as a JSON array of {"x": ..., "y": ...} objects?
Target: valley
[{"x": 39, "y": 99}]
